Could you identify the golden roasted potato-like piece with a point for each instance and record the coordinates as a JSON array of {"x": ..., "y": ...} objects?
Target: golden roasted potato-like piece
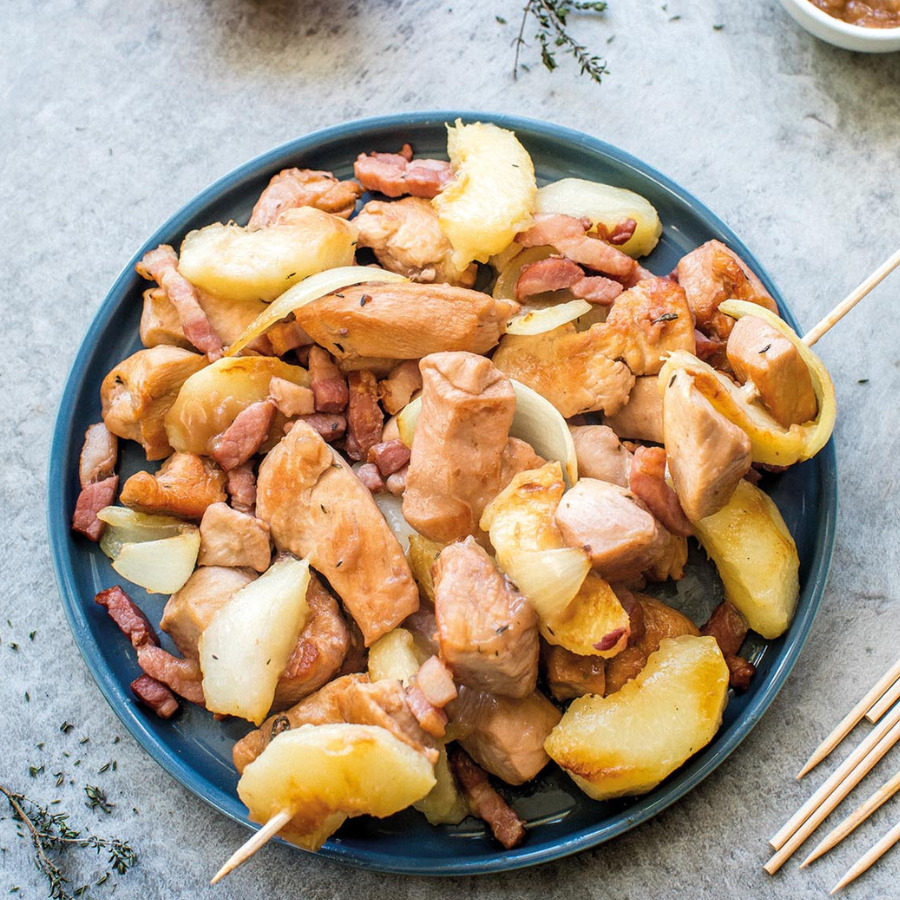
[
  {"x": 394, "y": 655},
  {"x": 492, "y": 197},
  {"x": 422, "y": 555},
  {"x": 239, "y": 264},
  {"x": 207, "y": 404},
  {"x": 185, "y": 486},
  {"x": 137, "y": 394},
  {"x": 444, "y": 804},
  {"x": 324, "y": 773},
  {"x": 756, "y": 558},
  {"x": 628, "y": 742}
]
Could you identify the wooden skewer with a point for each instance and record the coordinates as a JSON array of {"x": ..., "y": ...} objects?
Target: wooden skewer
[
  {"x": 812, "y": 823},
  {"x": 885, "y": 703},
  {"x": 248, "y": 848},
  {"x": 849, "y": 721},
  {"x": 876, "y": 800},
  {"x": 867, "y": 859},
  {"x": 851, "y": 300}
]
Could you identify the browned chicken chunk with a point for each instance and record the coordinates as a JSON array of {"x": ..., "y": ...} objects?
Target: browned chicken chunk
[
  {"x": 504, "y": 735},
  {"x": 455, "y": 469},
  {"x": 185, "y": 485},
  {"x": 292, "y": 188},
  {"x": 708, "y": 455},
  {"x": 712, "y": 274},
  {"x": 292, "y": 399},
  {"x": 405, "y": 321},
  {"x": 398, "y": 388},
  {"x": 232, "y": 538},
  {"x": 759, "y": 353},
  {"x": 601, "y": 454},
  {"x": 640, "y": 419},
  {"x": 487, "y": 631},
  {"x": 137, "y": 394},
  {"x": 315, "y": 506}
]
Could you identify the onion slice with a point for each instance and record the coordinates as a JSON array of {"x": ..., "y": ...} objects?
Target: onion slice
[
  {"x": 537, "y": 321},
  {"x": 312, "y": 288}
]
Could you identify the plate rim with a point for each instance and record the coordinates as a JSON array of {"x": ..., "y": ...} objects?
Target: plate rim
[{"x": 686, "y": 778}]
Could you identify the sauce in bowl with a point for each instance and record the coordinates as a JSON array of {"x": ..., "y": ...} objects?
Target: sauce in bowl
[{"x": 868, "y": 13}]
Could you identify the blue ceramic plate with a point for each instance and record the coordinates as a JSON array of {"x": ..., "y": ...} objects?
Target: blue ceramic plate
[{"x": 195, "y": 749}]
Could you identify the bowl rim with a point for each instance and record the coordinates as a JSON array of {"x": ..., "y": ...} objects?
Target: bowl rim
[
  {"x": 839, "y": 26},
  {"x": 682, "y": 782}
]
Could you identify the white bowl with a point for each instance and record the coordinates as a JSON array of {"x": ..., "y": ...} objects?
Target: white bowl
[{"x": 840, "y": 33}]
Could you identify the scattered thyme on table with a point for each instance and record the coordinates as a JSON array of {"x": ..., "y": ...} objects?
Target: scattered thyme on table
[{"x": 551, "y": 17}]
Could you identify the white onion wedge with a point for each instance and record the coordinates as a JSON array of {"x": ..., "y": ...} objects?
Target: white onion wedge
[
  {"x": 536, "y": 421},
  {"x": 306, "y": 291},
  {"x": 537, "y": 321},
  {"x": 605, "y": 204},
  {"x": 391, "y": 507},
  {"x": 245, "y": 648},
  {"x": 550, "y": 579}
]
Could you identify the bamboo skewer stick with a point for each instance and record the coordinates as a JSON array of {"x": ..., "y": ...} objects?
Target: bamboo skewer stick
[
  {"x": 833, "y": 799},
  {"x": 869, "y": 858},
  {"x": 885, "y": 703},
  {"x": 851, "y": 719},
  {"x": 851, "y": 300},
  {"x": 856, "y": 818},
  {"x": 249, "y": 847}
]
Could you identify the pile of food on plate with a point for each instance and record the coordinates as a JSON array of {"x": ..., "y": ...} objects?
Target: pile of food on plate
[{"x": 420, "y": 461}]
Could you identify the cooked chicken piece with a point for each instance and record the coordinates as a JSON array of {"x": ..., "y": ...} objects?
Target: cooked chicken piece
[
  {"x": 161, "y": 265},
  {"x": 504, "y": 735},
  {"x": 315, "y": 506},
  {"x": 640, "y": 419},
  {"x": 185, "y": 486},
  {"x": 243, "y": 438},
  {"x": 291, "y": 188},
  {"x": 407, "y": 238},
  {"x": 759, "y": 353},
  {"x": 646, "y": 323},
  {"x": 647, "y": 481},
  {"x": 569, "y": 675},
  {"x": 328, "y": 384},
  {"x": 669, "y": 560},
  {"x": 137, "y": 394},
  {"x": 160, "y": 323},
  {"x": 601, "y": 454},
  {"x": 241, "y": 488},
  {"x": 487, "y": 631},
  {"x": 712, "y": 274},
  {"x": 399, "y": 387},
  {"x": 708, "y": 455},
  {"x": 660, "y": 622},
  {"x": 286, "y": 335},
  {"x": 365, "y": 419},
  {"x": 518, "y": 456},
  {"x": 292, "y": 399},
  {"x": 568, "y": 368},
  {"x": 405, "y": 321},
  {"x": 455, "y": 469},
  {"x": 618, "y": 532},
  {"x": 351, "y": 698},
  {"x": 189, "y": 610},
  {"x": 396, "y": 174},
  {"x": 232, "y": 538},
  {"x": 320, "y": 651}
]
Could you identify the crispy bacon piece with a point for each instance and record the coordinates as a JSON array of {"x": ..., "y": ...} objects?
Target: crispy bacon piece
[
  {"x": 330, "y": 427},
  {"x": 328, "y": 385},
  {"x": 244, "y": 436},
  {"x": 485, "y": 802},
  {"x": 369, "y": 475},
  {"x": 161, "y": 265},
  {"x": 740, "y": 672},
  {"x": 98, "y": 454},
  {"x": 183, "y": 676},
  {"x": 389, "y": 456},
  {"x": 552, "y": 274},
  {"x": 90, "y": 501},
  {"x": 729, "y": 628},
  {"x": 435, "y": 681},
  {"x": 128, "y": 616},
  {"x": 647, "y": 480},
  {"x": 156, "y": 695},
  {"x": 241, "y": 488},
  {"x": 396, "y": 174},
  {"x": 432, "y": 719},
  {"x": 597, "y": 289},
  {"x": 620, "y": 233},
  {"x": 291, "y": 188},
  {"x": 365, "y": 419}
]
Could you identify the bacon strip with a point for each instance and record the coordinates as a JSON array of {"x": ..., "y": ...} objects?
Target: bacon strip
[
  {"x": 365, "y": 419},
  {"x": 435, "y": 681},
  {"x": 647, "y": 480},
  {"x": 128, "y": 616},
  {"x": 729, "y": 628},
  {"x": 485, "y": 802},
  {"x": 552, "y": 274},
  {"x": 244, "y": 436},
  {"x": 328, "y": 385},
  {"x": 396, "y": 174},
  {"x": 90, "y": 501},
  {"x": 620, "y": 233},
  {"x": 291, "y": 188},
  {"x": 431, "y": 719},
  {"x": 161, "y": 265},
  {"x": 369, "y": 475},
  {"x": 241, "y": 487},
  {"x": 183, "y": 676},
  {"x": 330, "y": 427},
  {"x": 156, "y": 695},
  {"x": 597, "y": 289},
  {"x": 389, "y": 456},
  {"x": 98, "y": 454}
]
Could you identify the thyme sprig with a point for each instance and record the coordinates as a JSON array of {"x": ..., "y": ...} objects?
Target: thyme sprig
[
  {"x": 551, "y": 17},
  {"x": 51, "y": 834}
]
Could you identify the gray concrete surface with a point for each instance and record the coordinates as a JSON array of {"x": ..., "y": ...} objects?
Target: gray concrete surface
[{"x": 112, "y": 115}]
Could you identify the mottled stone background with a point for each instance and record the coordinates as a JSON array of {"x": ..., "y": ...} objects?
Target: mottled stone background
[{"x": 115, "y": 114}]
